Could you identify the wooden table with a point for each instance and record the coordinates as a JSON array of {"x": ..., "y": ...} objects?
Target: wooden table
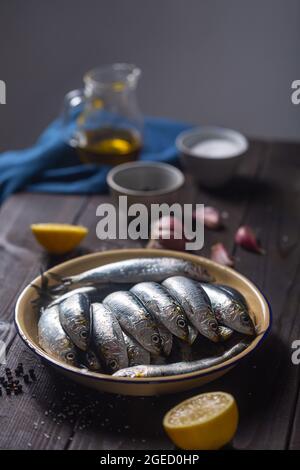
[{"x": 53, "y": 413}]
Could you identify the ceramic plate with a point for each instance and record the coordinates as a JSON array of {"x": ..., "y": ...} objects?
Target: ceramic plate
[{"x": 26, "y": 319}]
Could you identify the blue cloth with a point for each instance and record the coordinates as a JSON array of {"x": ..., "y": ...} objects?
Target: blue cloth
[{"x": 52, "y": 166}]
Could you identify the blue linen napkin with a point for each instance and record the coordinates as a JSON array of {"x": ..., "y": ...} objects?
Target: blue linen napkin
[{"x": 52, "y": 166}]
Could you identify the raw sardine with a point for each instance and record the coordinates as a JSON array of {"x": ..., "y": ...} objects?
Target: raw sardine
[
  {"x": 135, "y": 319},
  {"x": 138, "y": 270},
  {"x": 74, "y": 315},
  {"x": 181, "y": 367},
  {"x": 53, "y": 339},
  {"x": 108, "y": 339},
  {"x": 163, "y": 307},
  {"x": 229, "y": 311},
  {"x": 195, "y": 303}
]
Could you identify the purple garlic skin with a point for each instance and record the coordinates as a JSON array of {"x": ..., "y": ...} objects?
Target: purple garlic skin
[
  {"x": 245, "y": 237},
  {"x": 220, "y": 255}
]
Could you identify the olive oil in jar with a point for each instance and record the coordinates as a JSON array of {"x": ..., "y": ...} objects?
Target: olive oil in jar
[{"x": 108, "y": 146}]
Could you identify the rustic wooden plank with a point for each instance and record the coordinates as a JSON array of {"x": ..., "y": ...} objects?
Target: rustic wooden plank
[{"x": 25, "y": 420}]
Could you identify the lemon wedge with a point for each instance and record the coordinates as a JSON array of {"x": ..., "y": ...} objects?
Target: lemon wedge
[
  {"x": 58, "y": 238},
  {"x": 204, "y": 422}
]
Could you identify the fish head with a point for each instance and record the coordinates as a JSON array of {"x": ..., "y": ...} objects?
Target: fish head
[
  {"x": 241, "y": 319},
  {"x": 180, "y": 324},
  {"x": 156, "y": 343},
  {"x": 76, "y": 319},
  {"x": 210, "y": 328},
  {"x": 67, "y": 352},
  {"x": 133, "y": 372},
  {"x": 115, "y": 358},
  {"x": 82, "y": 334}
]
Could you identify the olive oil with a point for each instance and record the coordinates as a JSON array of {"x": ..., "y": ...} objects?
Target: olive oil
[{"x": 109, "y": 146}]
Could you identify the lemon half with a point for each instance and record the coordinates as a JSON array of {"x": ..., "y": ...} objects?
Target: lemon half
[
  {"x": 58, "y": 238},
  {"x": 204, "y": 422}
]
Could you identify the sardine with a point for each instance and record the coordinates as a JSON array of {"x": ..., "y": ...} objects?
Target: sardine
[
  {"x": 195, "y": 303},
  {"x": 53, "y": 339},
  {"x": 163, "y": 307},
  {"x": 74, "y": 315},
  {"x": 135, "y": 319},
  {"x": 184, "y": 367},
  {"x": 108, "y": 339},
  {"x": 138, "y": 270},
  {"x": 229, "y": 311},
  {"x": 137, "y": 355}
]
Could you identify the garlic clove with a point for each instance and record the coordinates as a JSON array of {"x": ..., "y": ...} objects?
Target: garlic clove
[
  {"x": 220, "y": 255},
  {"x": 168, "y": 232},
  {"x": 246, "y": 238},
  {"x": 210, "y": 216},
  {"x": 167, "y": 223}
]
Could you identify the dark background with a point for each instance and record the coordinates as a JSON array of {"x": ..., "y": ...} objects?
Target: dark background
[{"x": 206, "y": 61}]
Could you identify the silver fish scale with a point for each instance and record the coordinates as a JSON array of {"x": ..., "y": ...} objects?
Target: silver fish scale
[
  {"x": 137, "y": 355},
  {"x": 158, "y": 301},
  {"x": 135, "y": 319},
  {"x": 185, "y": 367},
  {"x": 108, "y": 338},
  {"x": 230, "y": 311},
  {"x": 195, "y": 304},
  {"x": 74, "y": 315},
  {"x": 53, "y": 338},
  {"x": 138, "y": 270}
]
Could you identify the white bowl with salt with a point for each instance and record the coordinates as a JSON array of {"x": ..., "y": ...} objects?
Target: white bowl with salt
[{"x": 211, "y": 154}]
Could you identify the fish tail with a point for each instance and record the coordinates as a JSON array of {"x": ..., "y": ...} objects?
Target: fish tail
[
  {"x": 63, "y": 283},
  {"x": 43, "y": 291}
]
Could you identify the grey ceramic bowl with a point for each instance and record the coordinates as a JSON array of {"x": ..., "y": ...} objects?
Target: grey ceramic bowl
[
  {"x": 216, "y": 171},
  {"x": 145, "y": 182}
]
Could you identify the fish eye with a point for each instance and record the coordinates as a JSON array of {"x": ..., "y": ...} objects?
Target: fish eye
[
  {"x": 84, "y": 334},
  {"x": 155, "y": 339},
  {"x": 214, "y": 325},
  {"x": 70, "y": 356},
  {"x": 181, "y": 322},
  {"x": 245, "y": 318},
  {"x": 113, "y": 364}
]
